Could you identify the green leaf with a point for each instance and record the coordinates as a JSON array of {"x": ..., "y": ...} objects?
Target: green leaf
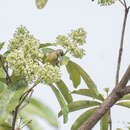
[
  {"x": 82, "y": 118},
  {"x": 2, "y": 86},
  {"x": 5, "y": 126},
  {"x": 2, "y": 73},
  {"x": 106, "y": 90},
  {"x": 119, "y": 129},
  {"x": 1, "y": 45},
  {"x": 45, "y": 51},
  {"x": 104, "y": 122},
  {"x": 3, "y": 80},
  {"x": 73, "y": 73},
  {"x": 5, "y": 97},
  {"x": 124, "y": 104},
  {"x": 77, "y": 105},
  {"x": 65, "y": 60},
  {"x": 7, "y": 94},
  {"x": 126, "y": 97},
  {"x": 62, "y": 103},
  {"x": 15, "y": 99},
  {"x": 65, "y": 91},
  {"x": 41, "y": 3},
  {"x": 89, "y": 93},
  {"x": 91, "y": 85},
  {"x": 37, "y": 108},
  {"x": 33, "y": 125},
  {"x": 47, "y": 44}
]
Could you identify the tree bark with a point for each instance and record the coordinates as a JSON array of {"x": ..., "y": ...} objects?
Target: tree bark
[{"x": 115, "y": 95}]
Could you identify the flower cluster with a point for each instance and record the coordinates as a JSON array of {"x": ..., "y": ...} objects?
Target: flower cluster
[
  {"x": 25, "y": 59},
  {"x": 106, "y": 2},
  {"x": 50, "y": 74},
  {"x": 73, "y": 41}
]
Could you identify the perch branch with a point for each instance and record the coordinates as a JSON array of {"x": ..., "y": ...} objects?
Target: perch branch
[{"x": 108, "y": 103}]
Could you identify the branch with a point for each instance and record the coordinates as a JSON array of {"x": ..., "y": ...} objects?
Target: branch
[
  {"x": 5, "y": 69},
  {"x": 125, "y": 4},
  {"x": 108, "y": 103},
  {"x": 19, "y": 106},
  {"x": 122, "y": 3},
  {"x": 126, "y": 90},
  {"x": 121, "y": 43},
  {"x": 28, "y": 91}
]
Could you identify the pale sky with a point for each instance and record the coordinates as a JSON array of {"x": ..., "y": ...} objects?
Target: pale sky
[{"x": 103, "y": 27}]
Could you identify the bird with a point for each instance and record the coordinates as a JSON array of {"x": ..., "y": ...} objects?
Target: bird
[{"x": 55, "y": 57}]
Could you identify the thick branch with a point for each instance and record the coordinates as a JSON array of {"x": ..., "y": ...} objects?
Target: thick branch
[
  {"x": 126, "y": 90},
  {"x": 108, "y": 103}
]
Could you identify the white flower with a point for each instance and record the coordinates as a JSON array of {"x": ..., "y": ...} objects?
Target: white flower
[{"x": 25, "y": 59}]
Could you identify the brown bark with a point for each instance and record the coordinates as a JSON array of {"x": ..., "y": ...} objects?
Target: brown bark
[{"x": 116, "y": 94}]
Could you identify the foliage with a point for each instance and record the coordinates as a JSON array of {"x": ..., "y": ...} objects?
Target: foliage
[{"x": 26, "y": 58}]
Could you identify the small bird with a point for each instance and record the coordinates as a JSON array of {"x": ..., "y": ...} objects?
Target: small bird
[{"x": 55, "y": 57}]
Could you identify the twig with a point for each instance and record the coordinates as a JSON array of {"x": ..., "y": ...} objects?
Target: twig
[
  {"x": 125, "y": 4},
  {"x": 19, "y": 107},
  {"x": 6, "y": 71},
  {"x": 28, "y": 101},
  {"x": 122, "y": 3},
  {"x": 121, "y": 46},
  {"x": 29, "y": 90}
]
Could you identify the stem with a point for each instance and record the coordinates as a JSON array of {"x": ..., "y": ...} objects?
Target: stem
[
  {"x": 5, "y": 69},
  {"x": 19, "y": 106},
  {"x": 121, "y": 45},
  {"x": 110, "y": 120}
]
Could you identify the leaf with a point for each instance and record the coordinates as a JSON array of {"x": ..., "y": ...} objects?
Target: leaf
[
  {"x": 47, "y": 44},
  {"x": 89, "y": 93},
  {"x": 5, "y": 126},
  {"x": 106, "y": 90},
  {"x": 82, "y": 118},
  {"x": 5, "y": 97},
  {"x": 40, "y": 3},
  {"x": 124, "y": 104},
  {"x": 73, "y": 73},
  {"x": 65, "y": 60},
  {"x": 65, "y": 91},
  {"x": 104, "y": 122},
  {"x": 126, "y": 97},
  {"x": 1, "y": 45},
  {"x": 33, "y": 125},
  {"x": 91, "y": 85},
  {"x": 37, "y": 108},
  {"x": 7, "y": 94},
  {"x": 45, "y": 51},
  {"x": 77, "y": 105},
  {"x": 119, "y": 129},
  {"x": 62, "y": 103},
  {"x": 15, "y": 99},
  {"x": 2, "y": 86},
  {"x": 2, "y": 73}
]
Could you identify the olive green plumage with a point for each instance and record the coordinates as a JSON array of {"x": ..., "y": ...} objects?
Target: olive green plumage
[{"x": 53, "y": 57}]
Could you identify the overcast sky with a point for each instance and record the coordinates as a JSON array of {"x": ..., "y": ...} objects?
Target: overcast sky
[{"x": 103, "y": 27}]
